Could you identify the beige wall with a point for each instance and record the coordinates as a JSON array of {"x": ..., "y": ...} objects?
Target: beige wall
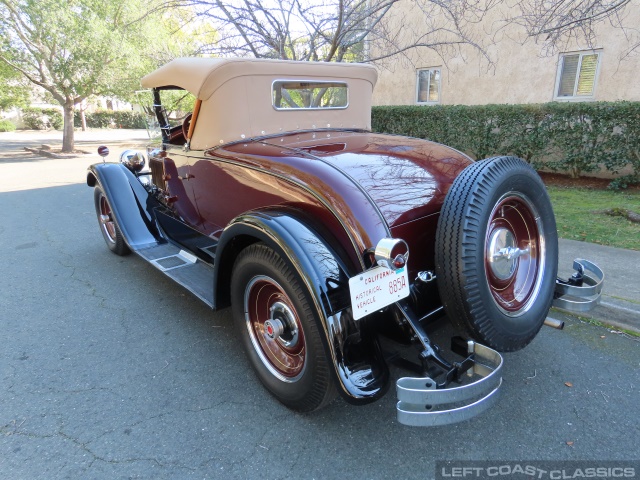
[{"x": 520, "y": 72}]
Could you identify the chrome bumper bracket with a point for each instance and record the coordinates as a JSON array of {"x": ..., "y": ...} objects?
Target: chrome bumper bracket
[
  {"x": 581, "y": 292},
  {"x": 419, "y": 398}
]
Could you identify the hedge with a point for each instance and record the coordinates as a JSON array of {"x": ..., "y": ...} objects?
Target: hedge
[
  {"x": 42, "y": 118},
  {"x": 111, "y": 119},
  {"x": 574, "y": 138},
  {"x": 7, "y": 126}
]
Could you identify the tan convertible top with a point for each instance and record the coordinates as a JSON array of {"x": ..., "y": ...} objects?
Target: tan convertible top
[{"x": 236, "y": 96}]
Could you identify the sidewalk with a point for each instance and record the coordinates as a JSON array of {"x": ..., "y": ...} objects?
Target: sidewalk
[
  {"x": 13, "y": 143},
  {"x": 620, "y": 302},
  {"x": 42, "y": 172}
]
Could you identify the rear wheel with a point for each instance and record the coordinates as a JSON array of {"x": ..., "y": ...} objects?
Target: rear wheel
[
  {"x": 497, "y": 253},
  {"x": 274, "y": 316},
  {"x": 108, "y": 225}
]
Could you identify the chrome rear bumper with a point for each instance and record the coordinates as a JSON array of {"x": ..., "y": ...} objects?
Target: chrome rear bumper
[
  {"x": 581, "y": 292},
  {"x": 421, "y": 403}
]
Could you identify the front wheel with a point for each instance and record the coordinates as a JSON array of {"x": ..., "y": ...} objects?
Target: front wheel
[
  {"x": 108, "y": 225},
  {"x": 279, "y": 329},
  {"x": 497, "y": 253}
]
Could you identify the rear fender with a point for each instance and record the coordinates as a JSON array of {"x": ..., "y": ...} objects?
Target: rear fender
[
  {"x": 359, "y": 367},
  {"x": 131, "y": 205}
]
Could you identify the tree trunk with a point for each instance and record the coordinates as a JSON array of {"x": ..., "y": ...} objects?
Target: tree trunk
[
  {"x": 67, "y": 131},
  {"x": 83, "y": 119}
]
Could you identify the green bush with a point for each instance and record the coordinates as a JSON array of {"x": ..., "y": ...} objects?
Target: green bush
[
  {"x": 112, "y": 119},
  {"x": 42, "y": 118},
  {"x": 569, "y": 137},
  {"x": 7, "y": 126}
]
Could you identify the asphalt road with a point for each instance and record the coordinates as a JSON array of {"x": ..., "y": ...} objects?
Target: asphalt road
[{"x": 109, "y": 370}]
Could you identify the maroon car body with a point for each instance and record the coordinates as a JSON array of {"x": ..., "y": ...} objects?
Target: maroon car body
[
  {"x": 332, "y": 243},
  {"x": 362, "y": 186}
]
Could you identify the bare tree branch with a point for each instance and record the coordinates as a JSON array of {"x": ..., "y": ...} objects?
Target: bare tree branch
[
  {"x": 557, "y": 23},
  {"x": 341, "y": 30}
]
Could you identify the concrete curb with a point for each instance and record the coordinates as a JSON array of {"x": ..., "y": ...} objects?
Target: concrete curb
[{"x": 44, "y": 152}]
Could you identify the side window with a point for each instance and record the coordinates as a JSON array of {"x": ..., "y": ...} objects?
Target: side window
[
  {"x": 428, "y": 86},
  {"x": 577, "y": 75}
]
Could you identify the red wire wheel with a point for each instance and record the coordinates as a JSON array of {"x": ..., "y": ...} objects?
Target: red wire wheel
[
  {"x": 514, "y": 253},
  {"x": 274, "y": 328},
  {"x": 497, "y": 253},
  {"x": 108, "y": 226},
  {"x": 106, "y": 220}
]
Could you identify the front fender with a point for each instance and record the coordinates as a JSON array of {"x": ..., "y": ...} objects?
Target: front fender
[
  {"x": 359, "y": 366},
  {"x": 131, "y": 205}
]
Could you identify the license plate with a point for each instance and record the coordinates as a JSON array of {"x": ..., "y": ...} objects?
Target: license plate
[{"x": 376, "y": 288}]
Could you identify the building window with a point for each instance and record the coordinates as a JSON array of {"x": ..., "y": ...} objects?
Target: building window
[
  {"x": 428, "y": 88},
  {"x": 577, "y": 74}
]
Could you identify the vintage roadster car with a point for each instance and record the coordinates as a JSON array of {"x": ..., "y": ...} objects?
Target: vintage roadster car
[{"x": 339, "y": 249}]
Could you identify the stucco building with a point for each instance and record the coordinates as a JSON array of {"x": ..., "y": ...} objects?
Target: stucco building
[{"x": 519, "y": 71}]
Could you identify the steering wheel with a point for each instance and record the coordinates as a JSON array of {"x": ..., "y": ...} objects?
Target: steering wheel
[{"x": 185, "y": 126}]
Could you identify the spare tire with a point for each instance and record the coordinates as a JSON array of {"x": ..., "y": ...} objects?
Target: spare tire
[{"x": 497, "y": 253}]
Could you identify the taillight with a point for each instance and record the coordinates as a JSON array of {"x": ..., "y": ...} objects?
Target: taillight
[{"x": 392, "y": 253}]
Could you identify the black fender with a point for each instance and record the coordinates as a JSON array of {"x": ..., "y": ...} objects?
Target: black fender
[
  {"x": 131, "y": 204},
  {"x": 360, "y": 370}
]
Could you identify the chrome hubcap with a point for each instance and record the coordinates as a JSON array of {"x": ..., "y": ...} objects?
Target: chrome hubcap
[
  {"x": 274, "y": 328},
  {"x": 503, "y": 253},
  {"x": 283, "y": 325}
]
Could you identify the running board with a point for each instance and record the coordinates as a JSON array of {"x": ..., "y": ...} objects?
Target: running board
[{"x": 182, "y": 267}]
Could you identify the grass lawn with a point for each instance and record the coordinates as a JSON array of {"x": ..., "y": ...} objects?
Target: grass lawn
[{"x": 579, "y": 215}]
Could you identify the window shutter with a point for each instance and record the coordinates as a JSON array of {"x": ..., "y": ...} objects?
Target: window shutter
[
  {"x": 568, "y": 75},
  {"x": 587, "y": 76}
]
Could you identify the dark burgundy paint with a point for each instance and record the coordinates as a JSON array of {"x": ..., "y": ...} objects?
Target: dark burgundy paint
[{"x": 333, "y": 175}]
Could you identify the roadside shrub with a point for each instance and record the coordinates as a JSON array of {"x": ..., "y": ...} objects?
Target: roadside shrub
[
  {"x": 42, "y": 118},
  {"x": 7, "y": 126},
  {"x": 112, "y": 119},
  {"x": 479, "y": 130},
  {"x": 574, "y": 138}
]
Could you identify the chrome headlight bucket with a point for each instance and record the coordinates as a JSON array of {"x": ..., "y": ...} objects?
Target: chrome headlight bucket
[
  {"x": 133, "y": 160},
  {"x": 392, "y": 253}
]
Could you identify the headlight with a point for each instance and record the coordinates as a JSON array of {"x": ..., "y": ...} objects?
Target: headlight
[{"x": 133, "y": 160}]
